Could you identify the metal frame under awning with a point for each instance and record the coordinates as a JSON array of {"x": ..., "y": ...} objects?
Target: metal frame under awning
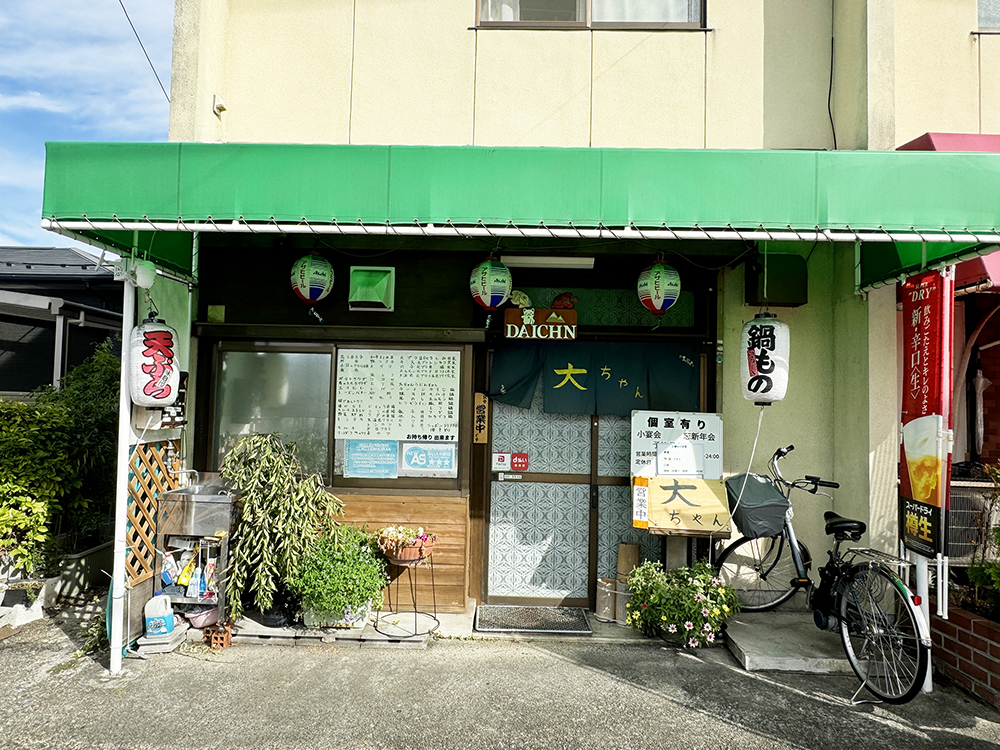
[{"x": 905, "y": 211}]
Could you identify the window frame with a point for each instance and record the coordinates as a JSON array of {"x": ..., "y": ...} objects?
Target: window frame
[
  {"x": 589, "y": 25},
  {"x": 437, "y": 486}
]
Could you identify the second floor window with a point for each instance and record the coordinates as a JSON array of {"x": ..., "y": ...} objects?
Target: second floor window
[
  {"x": 989, "y": 14},
  {"x": 591, "y": 12}
]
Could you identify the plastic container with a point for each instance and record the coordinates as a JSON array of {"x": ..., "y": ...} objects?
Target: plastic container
[
  {"x": 201, "y": 618},
  {"x": 605, "y": 611},
  {"x": 159, "y": 617}
]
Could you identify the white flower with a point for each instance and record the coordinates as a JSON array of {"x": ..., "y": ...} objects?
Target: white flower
[{"x": 710, "y": 637}]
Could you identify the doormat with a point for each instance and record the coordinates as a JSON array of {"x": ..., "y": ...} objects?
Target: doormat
[{"x": 502, "y": 618}]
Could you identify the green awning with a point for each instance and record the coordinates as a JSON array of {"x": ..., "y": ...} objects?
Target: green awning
[{"x": 908, "y": 209}]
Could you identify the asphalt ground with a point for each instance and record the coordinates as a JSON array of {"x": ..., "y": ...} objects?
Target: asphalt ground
[{"x": 456, "y": 693}]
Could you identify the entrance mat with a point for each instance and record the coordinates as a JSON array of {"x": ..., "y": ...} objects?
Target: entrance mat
[{"x": 502, "y": 618}]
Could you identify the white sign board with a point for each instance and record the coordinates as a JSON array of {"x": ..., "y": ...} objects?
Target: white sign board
[
  {"x": 671, "y": 443},
  {"x": 395, "y": 394}
]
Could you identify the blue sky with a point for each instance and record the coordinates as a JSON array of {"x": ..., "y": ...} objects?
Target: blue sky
[{"x": 73, "y": 71}]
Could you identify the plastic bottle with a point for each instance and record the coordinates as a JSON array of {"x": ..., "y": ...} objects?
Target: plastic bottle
[{"x": 159, "y": 617}]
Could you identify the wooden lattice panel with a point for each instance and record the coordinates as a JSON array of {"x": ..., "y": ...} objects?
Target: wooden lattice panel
[{"x": 150, "y": 473}]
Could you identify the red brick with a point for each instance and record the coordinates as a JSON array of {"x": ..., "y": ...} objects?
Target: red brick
[
  {"x": 960, "y": 618},
  {"x": 995, "y": 651},
  {"x": 945, "y": 627},
  {"x": 960, "y": 678},
  {"x": 974, "y": 671},
  {"x": 987, "y": 629},
  {"x": 937, "y": 639},
  {"x": 946, "y": 657},
  {"x": 957, "y": 648},
  {"x": 991, "y": 696},
  {"x": 972, "y": 641}
]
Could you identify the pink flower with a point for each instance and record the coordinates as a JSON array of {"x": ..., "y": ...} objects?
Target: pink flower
[
  {"x": 699, "y": 597},
  {"x": 689, "y": 625},
  {"x": 708, "y": 627},
  {"x": 704, "y": 613},
  {"x": 716, "y": 581},
  {"x": 671, "y": 628},
  {"x": 710, "y": 637},
  {"x": 693, "y": 643},
  {"x": 644, "y": 605}
]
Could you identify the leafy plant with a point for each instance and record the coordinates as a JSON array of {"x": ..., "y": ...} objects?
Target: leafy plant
[
  {"x": 688, "y": 603},
  {"x": 284, "y": 510},
  {"x": 984, "y": 574},
  {"x": 23, "y": 528},
  {"x": 89, "y": 394},
  {"x": 392, "y": 539},
  {"x": 35, "y": 448},
  {"x": 340, "y": 574}
]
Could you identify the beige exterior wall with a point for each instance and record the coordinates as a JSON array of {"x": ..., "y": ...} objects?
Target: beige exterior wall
[
  {"x": 797, "y": 39},
  {"x": 989, "y": 84},
  {"x": 839, "y": 397},
  {"x": 937, "y": 68}
]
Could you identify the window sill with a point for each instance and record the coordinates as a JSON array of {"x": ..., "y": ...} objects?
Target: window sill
[{"x": 504, "y": 26}]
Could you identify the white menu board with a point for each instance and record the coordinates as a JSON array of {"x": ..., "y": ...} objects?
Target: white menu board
[
  {"x": 396, "y": 394},
  {"x": 670, "y": 443}
]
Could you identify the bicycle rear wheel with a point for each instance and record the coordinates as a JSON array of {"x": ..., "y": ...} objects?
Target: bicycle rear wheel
[
  {"x": 878, "y": 625},
  {"x": 760, "y": 571}
]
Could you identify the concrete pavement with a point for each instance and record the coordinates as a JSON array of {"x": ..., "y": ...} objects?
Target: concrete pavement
[{"x": 456, "y": 693}]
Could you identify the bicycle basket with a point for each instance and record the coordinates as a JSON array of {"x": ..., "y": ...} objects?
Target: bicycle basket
[{"x": 761, "y": 510}]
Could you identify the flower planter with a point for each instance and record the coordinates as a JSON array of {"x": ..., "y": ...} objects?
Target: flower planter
[
  {"x": 967, "y": 649},
  {"x": 314, "y": 618},
  {"x": 411, "y": 553}
]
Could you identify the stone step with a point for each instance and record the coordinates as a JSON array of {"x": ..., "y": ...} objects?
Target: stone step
[{"x": 783, "y": 641}]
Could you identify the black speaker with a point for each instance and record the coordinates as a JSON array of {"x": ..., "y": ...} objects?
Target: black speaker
[{"x": 787, "y": 281}]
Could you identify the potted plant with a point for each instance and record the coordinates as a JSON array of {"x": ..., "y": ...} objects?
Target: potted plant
[
  {"x": 401, "y": 543},
  {"x": 283, "y": 511},
  {"x": 338, "y": 579},
  {"x": 689, "y": 604}
]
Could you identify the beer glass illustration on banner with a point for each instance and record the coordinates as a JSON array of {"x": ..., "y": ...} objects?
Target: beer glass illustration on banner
[{"x": 921, "y": 445}]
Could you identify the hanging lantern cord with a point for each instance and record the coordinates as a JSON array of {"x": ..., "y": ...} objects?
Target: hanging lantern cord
[
  {"x": 312, "y": 311},
  {"x": 154, "y": 312},
  {"x": 763, "y": 306}
]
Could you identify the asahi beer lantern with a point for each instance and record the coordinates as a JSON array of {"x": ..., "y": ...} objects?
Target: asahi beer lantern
[
  {"x": 764, "y": 366},
  {"x": 312, "y": 278},
  {"x": 659, "y": 287},
  {"x": 153, "y": 371},
  {"x": 490, "y": 283}
]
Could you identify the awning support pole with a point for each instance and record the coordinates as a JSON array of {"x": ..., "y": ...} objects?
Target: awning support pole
[{"x": 121, "y": 484}]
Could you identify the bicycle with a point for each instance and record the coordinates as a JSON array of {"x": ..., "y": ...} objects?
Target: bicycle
[{"x": 859, "y": 594}]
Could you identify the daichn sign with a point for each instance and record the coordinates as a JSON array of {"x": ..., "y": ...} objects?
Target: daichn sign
[{"x": 539, "y": 325}]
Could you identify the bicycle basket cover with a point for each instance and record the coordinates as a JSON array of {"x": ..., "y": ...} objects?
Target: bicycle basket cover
[{"x": 762, "y": 508}]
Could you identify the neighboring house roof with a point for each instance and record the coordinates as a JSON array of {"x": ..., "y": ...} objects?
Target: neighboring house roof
[{"x": 49, "y": 263}]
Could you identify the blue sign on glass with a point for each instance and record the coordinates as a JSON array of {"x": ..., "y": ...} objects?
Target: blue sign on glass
[
  {"x": 371, "y": 459},
  {"x": 429, "y": 458}
]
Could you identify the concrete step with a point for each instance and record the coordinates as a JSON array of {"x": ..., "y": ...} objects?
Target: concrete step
[{"x": 784, "y": 641}]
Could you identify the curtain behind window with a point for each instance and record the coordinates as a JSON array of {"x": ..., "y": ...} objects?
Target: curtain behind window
[{"x": 646, "y": 11}]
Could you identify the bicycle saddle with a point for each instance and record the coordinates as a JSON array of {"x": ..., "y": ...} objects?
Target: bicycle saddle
[{"x": 839, "y": 525}]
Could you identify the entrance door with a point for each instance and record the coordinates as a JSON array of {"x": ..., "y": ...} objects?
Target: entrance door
[{"x": 555, "y": 528}]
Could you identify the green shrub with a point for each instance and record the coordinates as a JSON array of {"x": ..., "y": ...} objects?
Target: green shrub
[
  {"x": 35, "y": 445},
  {"x": 89, "y": 394},
  {"x": 340, "y": 573},
  {"x": 23, "y": 528}
]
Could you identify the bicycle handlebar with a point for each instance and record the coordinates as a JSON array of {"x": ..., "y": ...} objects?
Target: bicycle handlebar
[{"x": 808, "y": 483}]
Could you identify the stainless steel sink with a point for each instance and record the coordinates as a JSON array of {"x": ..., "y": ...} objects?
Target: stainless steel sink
[{"x": 199, "y": 510}]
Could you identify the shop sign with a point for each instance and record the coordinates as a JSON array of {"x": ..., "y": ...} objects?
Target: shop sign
[
  {"x": 480, "y": 419},
  {"x": 371, "y": 459},
  {"x": 542, "y": 325},
  {"x": 925, "y": 453},
  {"x": 640, "y": 503},
  {"x": 686, "y": 506},
  {"x": 676, "y": 444}
]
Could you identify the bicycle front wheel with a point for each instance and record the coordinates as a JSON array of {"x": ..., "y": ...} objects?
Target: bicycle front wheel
[
  {"x": 760, "y": 571},
  {"x": 878, "y": 625}
]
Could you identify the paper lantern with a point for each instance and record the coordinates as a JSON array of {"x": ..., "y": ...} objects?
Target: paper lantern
[
  {"x": 490, "y": 283},
  {"x": 312, "y": 278},
  {"x": 153, "y": 372},
  {"x": 659, "y": 287},
  {"x": 764, "y": 369}
]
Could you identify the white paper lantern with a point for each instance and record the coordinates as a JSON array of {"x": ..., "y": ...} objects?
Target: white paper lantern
[
  {"x": 659, "y": 287},
  {"x": 153, "y": 376},
  {"x": 312, "y": 278},
  {"x": 764, "y": 351},
  {"x": 490, "y": 283}
]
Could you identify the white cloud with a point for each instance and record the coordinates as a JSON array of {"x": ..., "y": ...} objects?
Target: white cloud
[{"x": 31, "y": 100}]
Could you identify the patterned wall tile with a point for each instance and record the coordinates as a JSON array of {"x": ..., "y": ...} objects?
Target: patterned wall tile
[
  {"x": 555, "y": 443},
  {"x": 614, "y": 445},
  {"x": 614, "y": 526},
  {"x": 538, "y": 539}
]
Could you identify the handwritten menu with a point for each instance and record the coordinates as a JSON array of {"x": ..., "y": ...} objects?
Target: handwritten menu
[{"x": 394, "y": 394}]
